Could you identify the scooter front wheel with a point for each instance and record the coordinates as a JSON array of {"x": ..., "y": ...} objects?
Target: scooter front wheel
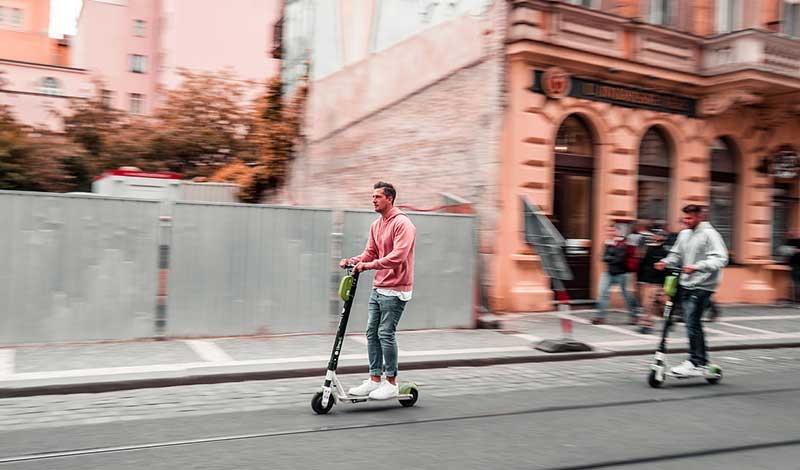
[
  {"x": 652, "y": 379},
  {"x": 316, "y": 404},
  {"x": 714, "y": 380}
]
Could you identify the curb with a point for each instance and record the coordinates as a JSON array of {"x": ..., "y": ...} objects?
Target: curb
[{"x": 215, "y": 378}]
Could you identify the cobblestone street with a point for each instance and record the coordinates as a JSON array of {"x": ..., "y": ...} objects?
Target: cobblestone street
[{"x": 62, "y": 410}]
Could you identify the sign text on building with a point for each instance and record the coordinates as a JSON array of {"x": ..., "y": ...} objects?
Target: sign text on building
[{"x": 614, "y": 94}]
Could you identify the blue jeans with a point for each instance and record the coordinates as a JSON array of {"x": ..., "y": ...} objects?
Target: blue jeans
[
  {"x": 384, "y": 314},
  {"x": 606, "y": 281},
  {"x": 694, "y": 302}
]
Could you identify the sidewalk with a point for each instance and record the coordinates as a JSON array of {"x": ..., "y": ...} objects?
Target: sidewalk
[{"x": 96, "y": 367}]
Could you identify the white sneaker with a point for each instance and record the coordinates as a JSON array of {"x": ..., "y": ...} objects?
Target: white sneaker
[
  {"x": 687, "y": 369},
  {"x": 365, "y": 388},
  {"x": 384, "y": 392}
]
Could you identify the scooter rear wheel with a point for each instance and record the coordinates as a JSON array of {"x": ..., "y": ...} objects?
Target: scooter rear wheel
[
  {"x": 653, "y": 380},
  {"x": 316, "y": 404},
  {"x": 407, "y": 402}
]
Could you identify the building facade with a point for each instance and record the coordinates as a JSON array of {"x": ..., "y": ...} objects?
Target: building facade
[
  {"x": 37, "y": 79},
  {"x": 596, "y": 111},
  {"x": 24, "y": 33},
  {"x": 137, "y": 47}
]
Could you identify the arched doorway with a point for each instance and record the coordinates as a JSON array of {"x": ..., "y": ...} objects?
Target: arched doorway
[
  {"x": 653, "y": 184},
  {"x": 722, "y": 207},
  {"x": 572, "y": 200}
]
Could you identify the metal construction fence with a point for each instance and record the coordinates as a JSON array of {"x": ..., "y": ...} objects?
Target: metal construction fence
[{"x": 83, "y": 268}]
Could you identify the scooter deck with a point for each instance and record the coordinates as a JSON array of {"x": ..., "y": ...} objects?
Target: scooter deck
[
  {"x": 704, "y": 376},
  {"x": 352, "y": 399}
]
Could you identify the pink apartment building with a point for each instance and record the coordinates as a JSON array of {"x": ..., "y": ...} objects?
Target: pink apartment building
[
  {"x": 136, "y": 47},
  {"x": 36, "y": 77}
]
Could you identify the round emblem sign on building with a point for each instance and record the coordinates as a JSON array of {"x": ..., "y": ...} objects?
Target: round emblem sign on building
[{"x": 556, "y": 82}]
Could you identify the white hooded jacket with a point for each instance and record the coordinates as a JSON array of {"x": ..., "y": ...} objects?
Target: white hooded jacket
[{"x": 704, "y": 249}]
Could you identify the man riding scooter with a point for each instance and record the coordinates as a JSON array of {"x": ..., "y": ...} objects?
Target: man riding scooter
[{"x": 701, "y": 253}]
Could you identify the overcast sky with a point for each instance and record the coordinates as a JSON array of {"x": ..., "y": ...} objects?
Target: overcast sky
[{"x": 63, "y": 14}]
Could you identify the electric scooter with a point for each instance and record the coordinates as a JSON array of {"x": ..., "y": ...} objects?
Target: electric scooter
[
  {"x": 659, "y": 370},
  {"x": 332, "y": 389}
]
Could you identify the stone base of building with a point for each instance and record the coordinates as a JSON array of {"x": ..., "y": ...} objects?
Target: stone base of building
[{"x": 531, "y": 298}]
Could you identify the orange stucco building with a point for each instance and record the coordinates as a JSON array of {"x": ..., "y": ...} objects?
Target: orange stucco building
[
  {"x": 24, "y": 33},
  {"x": 597, "y": 111},
  {"x": 611, "y": 118}
]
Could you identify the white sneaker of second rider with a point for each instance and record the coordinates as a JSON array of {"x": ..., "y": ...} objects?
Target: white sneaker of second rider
[{"x": 687, "y": 368}]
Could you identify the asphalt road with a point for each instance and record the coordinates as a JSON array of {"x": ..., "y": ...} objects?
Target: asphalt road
[{"x": 592, "y": 414}]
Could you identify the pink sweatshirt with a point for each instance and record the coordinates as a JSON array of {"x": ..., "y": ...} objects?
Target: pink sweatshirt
[{"x": 390, "y": 251}]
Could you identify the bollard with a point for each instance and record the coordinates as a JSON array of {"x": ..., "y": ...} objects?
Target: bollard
[
  {"x": 563, "y": 306},
  {"x": 566, "y": 343}
]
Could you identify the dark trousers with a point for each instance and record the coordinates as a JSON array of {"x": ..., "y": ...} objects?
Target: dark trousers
[{"x": 694, "y": 302}]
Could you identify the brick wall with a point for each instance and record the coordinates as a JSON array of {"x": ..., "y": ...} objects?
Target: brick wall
[{"x": 443, "y": 138}]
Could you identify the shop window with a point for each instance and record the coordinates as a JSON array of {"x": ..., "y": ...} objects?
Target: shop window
[
  {"x": 574, "y": 170},
  {"x": 728, "y": 15},
  {"x": 785, "y": 199},
  {"x": 791, "y": 18},
  {"x": 574, "y": 138},
  {"x": 573, "y": 200},
  {"x": 722, "y": 207},
  {"x": 655, "y": 156},
  {"x": 782, "y": 204}
]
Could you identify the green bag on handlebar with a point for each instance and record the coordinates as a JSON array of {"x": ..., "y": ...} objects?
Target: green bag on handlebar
[
  {"x": 344, "y": 287},
  {"x": 671, "y": 285}
]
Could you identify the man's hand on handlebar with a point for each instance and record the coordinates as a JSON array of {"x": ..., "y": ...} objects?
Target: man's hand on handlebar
[{"x": 356, "y": 268}]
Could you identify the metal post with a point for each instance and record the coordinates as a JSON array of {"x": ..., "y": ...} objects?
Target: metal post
[
  {"x": 548, "y": 243},
  {"x": 165, "y": 238}
]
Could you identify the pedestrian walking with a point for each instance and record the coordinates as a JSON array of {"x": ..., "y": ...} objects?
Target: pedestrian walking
[
  {"x": 636, "y": 242},
  {"x": 701, "y": 254},
  {"x": 390, "y": 252},
  {"x": 652, "y": 279},
  {"x": 616, "y": 273},
  {"x": 793, "y": 245}
]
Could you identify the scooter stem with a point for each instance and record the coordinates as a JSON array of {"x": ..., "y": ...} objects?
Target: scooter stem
[{"x": 342, "y": 329}]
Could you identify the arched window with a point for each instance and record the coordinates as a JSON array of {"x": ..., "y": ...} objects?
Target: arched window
[
  {"x": 574, "y": 138},
  {"x": 655, "y": 155},
  {"x": 722, "y": 207},
  {"x": 784, "y": 204},
  {"x": 572, "y": 200},
  {"x": 50, "y": 86}
]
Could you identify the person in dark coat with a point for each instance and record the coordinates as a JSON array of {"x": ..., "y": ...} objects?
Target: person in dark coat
[
  {"x": 652, "y": 280},
  {"x": 794, "y": 263},
  {"x": 615, "y": 257}
]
